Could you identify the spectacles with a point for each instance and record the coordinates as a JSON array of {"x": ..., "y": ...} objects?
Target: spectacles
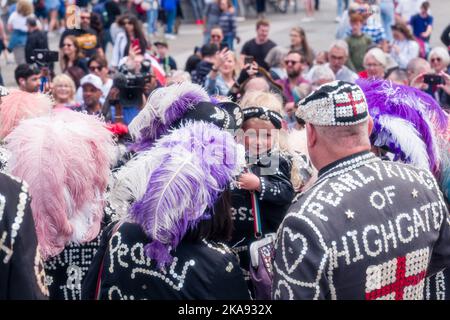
[
  {"x": 93, "y": 68},
  {"x": 292, "y": 61},
  {"x": 85, "y": 18},
  {"x": 435, "y": 59}
]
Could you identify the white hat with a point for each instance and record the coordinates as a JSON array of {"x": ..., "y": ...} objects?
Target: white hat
[{"x": 93, "y": 80}]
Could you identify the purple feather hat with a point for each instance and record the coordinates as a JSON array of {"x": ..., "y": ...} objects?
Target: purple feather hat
[
  {"x": 195, "y": 165},
  {"x": 422, "y": 111}
]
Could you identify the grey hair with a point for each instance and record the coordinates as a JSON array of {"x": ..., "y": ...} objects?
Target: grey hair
[
  {"x": 322, "y": 72},
  {"x": 275, "y": 56},
  {"x": 441, "y": 53},
  {"x": 341, "y": 44}
]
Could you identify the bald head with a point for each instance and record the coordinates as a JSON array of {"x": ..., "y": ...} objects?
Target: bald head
[{"x": 257, "y": 84}]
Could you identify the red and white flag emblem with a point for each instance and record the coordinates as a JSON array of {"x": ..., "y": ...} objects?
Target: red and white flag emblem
[{"x": 401, "y": 278}]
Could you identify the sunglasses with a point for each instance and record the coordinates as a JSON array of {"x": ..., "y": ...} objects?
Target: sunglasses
[
  {"x": 292, "y": 61},
  {"x": 215, "y": 36},
  {"x": 435, "y": 59},
  {"x": 94, "y": 68}
]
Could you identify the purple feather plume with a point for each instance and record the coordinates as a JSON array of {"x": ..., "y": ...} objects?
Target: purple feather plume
[
  {"x": 385, "y": 98},
  {"x": 197, "y": 162}
]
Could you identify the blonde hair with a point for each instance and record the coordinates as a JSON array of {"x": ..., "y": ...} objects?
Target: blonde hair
[
  {"x": 63, "y": 79},
  {"x": 24, "y": 8},
  {"x": 275, "y": 103}
]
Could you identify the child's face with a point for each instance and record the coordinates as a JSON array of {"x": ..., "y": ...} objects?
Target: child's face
[{"x": 258, "y": 136}]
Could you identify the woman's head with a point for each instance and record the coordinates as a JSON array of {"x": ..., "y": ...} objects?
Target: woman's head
[
  {"x": 70, "y": 48},
  {"x": 439, "y": 59},
  {"x": 129, "y": 22},
  {"x": 63, "y": 89},
  {"x": 229, "y": 65},
  {"x": 375, "y": 62},
  {"x": 24, "y": 7},
  {"x": 297, "y": 36},
  {"x": 401, "y": 32}
]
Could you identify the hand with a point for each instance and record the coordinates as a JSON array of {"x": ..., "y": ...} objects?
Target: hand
[
  {"x": 253, "y": 69},
  {"x": 48, "y": 88},
  {"x": 446, "y": 85},
  {"x": 424, "y": 35},
  {"x": 222, "y": 56},
  {"x": 417, "y": 82},
  {"x": 395, "y": 48},
  {"x": 249, "y": 181},
  {"x": 114, "y": 93}
]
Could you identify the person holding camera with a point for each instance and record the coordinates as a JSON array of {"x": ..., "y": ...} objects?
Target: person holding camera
[
  {"x": 36, "y": 39},
  {"x": 28, "y": 77},
  {"x": 203, "y": 68},
  {"x": 223, "y": 74}
]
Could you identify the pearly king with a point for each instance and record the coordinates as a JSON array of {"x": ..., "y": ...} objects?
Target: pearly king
[{"x": 367, "y": 229}]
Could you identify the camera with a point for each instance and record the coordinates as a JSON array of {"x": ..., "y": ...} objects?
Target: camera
[
  {"x": 44, "y": 57},
  {"x": 248, "y": 60},
  {"x": 433, "y": 79},
  {"x": 131, "y": 84}
]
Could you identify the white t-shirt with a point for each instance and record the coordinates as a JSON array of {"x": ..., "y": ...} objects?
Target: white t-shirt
[{"x": 18, "y": 21}]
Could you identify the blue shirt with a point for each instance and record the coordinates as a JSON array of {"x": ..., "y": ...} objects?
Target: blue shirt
[{"x": 420, "y": 24}]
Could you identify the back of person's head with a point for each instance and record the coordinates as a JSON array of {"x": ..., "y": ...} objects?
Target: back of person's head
[
  {"x": 341, "y": 44},
  {"x": 398, "y": 76},
  {"x": 209, "y": 50},
  {"x": 24, "y": 7},
  {"x": 178, "y": 76},
  {"x": 275, "y": 56},
  {"x": 25, "y": 71},
  {"x": 416, "y": 66},
  {"x": 403, "y": 28},
  {"x": 321, "y": 74},
  {"x": 32, "y": 21}
]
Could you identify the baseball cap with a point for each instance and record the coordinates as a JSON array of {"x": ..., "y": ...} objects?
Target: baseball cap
[{"x": 93, "y": 80}]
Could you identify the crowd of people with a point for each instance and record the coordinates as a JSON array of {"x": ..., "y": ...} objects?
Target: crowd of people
[{"x": 270, "y": 173}]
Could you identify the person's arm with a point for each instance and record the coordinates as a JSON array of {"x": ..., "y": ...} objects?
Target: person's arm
[
  {"x": 427, "y": 32},
  {"x": 411, "y": 52},
  {"x": 301, "y": 273}
]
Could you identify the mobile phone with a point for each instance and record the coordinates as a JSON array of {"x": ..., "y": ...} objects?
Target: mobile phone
[
  {"x": 433, "y": 79},
  {"x": 248, "y": 60}
]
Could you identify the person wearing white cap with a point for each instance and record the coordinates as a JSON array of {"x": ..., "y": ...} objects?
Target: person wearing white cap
[{"x": 92, "y": 91}]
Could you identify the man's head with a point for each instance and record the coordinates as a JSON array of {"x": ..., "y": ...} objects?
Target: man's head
[
  {"x": 294, "y": 64},
  {"x": 162, "y": 48},
  {"x": 28, "y": 77},
  {"x": 85, "y": 19},
  {"x": 216, "y": 36},
  {"x": 425, "y": 6},
  {"x": 398, "y": 76},
  {"x": 262, "y": 31},
  {"x": 356, "y": 23},
  {"x": 98, "y": 66},
  {"x": 92, "y": 90},
  {"x": 337, "y": 122},
  {"x": 209, "y": 51},
  {"x": 338, "y": 55},
  {"x": 417, "y": 66}
]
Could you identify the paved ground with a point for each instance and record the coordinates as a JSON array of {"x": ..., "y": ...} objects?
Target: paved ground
[{"x": 320, "y": 32}]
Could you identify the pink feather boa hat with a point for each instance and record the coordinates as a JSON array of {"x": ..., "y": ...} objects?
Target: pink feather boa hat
[
  {"x": 65, "y": 159},
  {"x": 19, "y": 105}
]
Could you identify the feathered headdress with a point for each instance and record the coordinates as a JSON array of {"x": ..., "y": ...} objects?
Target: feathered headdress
[
  {"x": 65, "y": 158},
  {"x": 163, "y": 107},
  {"x": 169, "y": 107},
  {"x": 177, "y": 182},
  {"x": 19, "y": 105},
  {"x": 407, "y": 121}
]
